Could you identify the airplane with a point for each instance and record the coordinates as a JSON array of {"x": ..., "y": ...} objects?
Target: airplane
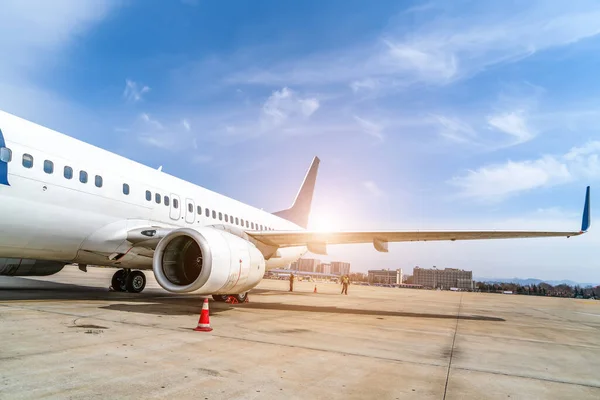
[{"x": 64, "y": 201}]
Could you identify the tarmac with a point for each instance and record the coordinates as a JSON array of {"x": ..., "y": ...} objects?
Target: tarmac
[{"x": 67, "y": 336}]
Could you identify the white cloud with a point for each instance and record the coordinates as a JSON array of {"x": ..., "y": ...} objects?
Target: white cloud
[
  {"x": 498, "y": 181},
  {"x": 134, "y": 92},
  {"x": 446, "y": 46},
  {"x": 33, "y": 29},
  {"x": 364, "y": 84},
  {"x": 455, "y": 129},
  {"x": 34, "y": 34},
  {"x": 370, "y": 128},
  {"x": 160, "y": 141},
  {"x": 147, "y": 119},
  {"x": 186, "y": 125},
  {"x": 495, "y": 182},
  {"x": 514, "y": 124},
  {"x": 373, "y": 189},
  {"x": 286, "y": 104},
  {"x": 169, "y": 135}
]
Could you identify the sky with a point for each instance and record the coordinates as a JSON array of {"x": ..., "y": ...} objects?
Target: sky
[{"x": 425, "y": 114}]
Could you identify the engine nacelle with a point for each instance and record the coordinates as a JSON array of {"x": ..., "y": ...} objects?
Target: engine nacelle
[
  {"x": 207, "y": 260},
  {"x": 23, "y": 267}
]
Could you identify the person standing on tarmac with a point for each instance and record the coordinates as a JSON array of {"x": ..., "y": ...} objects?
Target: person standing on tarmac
[
  {"x": 291, "y": 282},
  {"x": 345, "y": 282}
]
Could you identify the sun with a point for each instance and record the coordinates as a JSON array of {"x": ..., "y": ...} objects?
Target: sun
[{"x": 323, "y": 223}]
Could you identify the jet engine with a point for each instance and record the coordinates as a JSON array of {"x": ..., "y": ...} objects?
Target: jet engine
[
  {"x": 22, "y": 267},
  {"x": 207, "y": 261}
]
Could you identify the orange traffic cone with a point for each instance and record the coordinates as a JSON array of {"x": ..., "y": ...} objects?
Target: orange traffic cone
[
  {"x": 315, "y": 291},
  {"x": 204, "y": 321}
]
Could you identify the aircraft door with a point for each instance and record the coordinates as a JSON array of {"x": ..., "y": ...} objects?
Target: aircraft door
[
  {"x": 175, "y": 211},
  {"x": 190, "y": 217}
]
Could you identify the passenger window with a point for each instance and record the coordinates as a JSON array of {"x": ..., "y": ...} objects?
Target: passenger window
[
  {"x": 125, "y": 189},
  {"x": 237, "y": 221},
  {"x": 83, "y": 177},
  {"x": 214, "y": 214},
  {"x": 98, "y": 181},
  {"x": 207, "y": 212},
  {"x": 157, "y": 198},
  {"x": 68, "y": 172},
  {"x": 242, "y": 222},
  {"x": 48, "y": 166},
  {"x": 175, "y": 203},
  {"x": 190, "y": 208},
  {"x": 220, "y": 216},
  {"x": 252, "y": 225},
  {"x": 148, "y": 195},
  {"x": 247, "y": 224},
  {"x": 199, "y": 209},
  {"x": 27, "y": 160},
  {"x": 226, "y": 218},
  {"x": 167, "y": 201},
  {"x": 5, "y": 154},
  {"x": 261, "y": 228}
]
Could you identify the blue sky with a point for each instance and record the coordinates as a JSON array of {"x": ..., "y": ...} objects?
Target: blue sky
[{"x": 470, "y": 115}]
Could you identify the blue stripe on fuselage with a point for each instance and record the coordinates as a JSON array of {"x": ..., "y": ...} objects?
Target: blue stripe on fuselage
[{"x": 3, "y": 165}]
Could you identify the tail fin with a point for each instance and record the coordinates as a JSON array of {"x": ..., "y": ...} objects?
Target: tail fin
[{"x": 298, "y": 213}]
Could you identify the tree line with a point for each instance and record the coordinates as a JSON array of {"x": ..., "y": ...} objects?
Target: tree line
[{"x": 543, "y": 289}]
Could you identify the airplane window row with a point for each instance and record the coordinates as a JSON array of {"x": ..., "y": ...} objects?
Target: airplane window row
[
  {"x": 158, "y": 199},
  {"x": 28, "y": 161}
]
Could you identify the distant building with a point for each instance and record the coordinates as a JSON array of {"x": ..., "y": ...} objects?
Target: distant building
[
  {"x": 385, "y": 276},
  {"x": 443, "y": 278},
  {"x": 313, "y": 265},
  {"x": 340, "y": 268},
  {"x": 307, "y": 265},
  {"x": 325, "y": 268}
]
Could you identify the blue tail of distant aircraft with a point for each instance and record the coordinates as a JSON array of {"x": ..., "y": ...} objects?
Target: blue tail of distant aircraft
[{"x": 587, "y": 217}]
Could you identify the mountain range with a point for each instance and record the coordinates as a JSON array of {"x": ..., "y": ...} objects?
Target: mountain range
[{"x": 535, "y": 281}]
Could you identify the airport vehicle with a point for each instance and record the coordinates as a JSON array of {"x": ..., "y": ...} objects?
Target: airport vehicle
[{"x": 63, "y": 201}]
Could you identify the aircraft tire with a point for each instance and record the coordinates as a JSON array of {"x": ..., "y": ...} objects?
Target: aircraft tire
[
  {"x": 136, "y": 282},
  {"x": 241, "y": 297},
  {"x": 118, "y": 281},
  {"x": 220, "y": 297}
]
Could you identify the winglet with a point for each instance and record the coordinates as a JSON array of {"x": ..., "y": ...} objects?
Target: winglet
[
  {"x": 587, "y": 217},
  {"x": 298, "y": 213}
]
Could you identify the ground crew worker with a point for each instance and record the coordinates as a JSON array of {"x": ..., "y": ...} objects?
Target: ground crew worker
[
  {"x": 345, "y": 282},
  {"x": 291, "y": 282}
]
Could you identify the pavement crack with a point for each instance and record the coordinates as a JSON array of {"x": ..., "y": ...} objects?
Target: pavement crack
[{"x": 452, "y": 349}]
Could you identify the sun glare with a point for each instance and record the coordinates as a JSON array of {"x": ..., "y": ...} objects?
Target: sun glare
[{"x": 324, "y": 223}]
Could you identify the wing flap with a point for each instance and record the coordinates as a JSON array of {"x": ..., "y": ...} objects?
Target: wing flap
[{"x": 381, "y": 238}]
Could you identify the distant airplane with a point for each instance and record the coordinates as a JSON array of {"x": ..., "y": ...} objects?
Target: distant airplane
[{"x": 63, "y": 201}]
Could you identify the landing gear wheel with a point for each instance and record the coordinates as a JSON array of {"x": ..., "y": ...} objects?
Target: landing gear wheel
[
  {"x": 136, "y": 282},
  {"x": 241, "y": 297},
  {"x": 118, "y": 281},
  {"x": 220, "y": 297}
]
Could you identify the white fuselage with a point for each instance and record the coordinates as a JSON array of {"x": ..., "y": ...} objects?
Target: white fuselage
[{"x": 48, "y": 213}]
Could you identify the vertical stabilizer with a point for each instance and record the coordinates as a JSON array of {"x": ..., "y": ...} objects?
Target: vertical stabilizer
[{"x": 299, "y": 212}]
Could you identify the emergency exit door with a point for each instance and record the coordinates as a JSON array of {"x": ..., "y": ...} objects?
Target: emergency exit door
[{"x": 175, "y": 212}]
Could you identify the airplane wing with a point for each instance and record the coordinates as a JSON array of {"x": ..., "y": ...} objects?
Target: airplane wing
[{"x": 318, "y": 241}]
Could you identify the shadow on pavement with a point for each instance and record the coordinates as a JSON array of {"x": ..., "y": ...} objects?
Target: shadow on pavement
[
  {"x": 353, "y": 311},
  {"x": 159, "y": 302}
]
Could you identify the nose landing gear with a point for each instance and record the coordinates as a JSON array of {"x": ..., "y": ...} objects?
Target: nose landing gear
[{"x": 125, "y": 280}]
